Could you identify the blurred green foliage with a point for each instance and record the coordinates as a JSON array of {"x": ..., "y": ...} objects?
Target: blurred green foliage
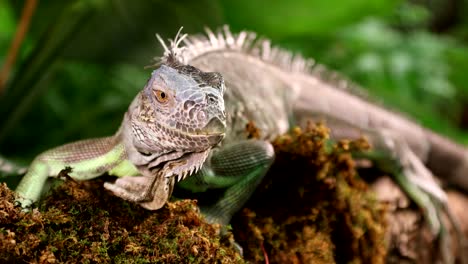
[{"x": 83, "y": 61}]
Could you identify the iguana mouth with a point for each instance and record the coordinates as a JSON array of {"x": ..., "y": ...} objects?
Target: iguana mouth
[
  {"x": 215, "y": 128},
  {"x": 180, "y": 165}
]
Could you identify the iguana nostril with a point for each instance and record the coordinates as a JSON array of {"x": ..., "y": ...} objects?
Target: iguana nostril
[
  {"x": 215, "y": 126},
  {"x": 211, "y": 98}
]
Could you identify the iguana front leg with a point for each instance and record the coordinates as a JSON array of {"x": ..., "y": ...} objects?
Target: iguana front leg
[
  {"x": 87, "y": 159},
  {"x": 155, "y": 186},
  {"x": 237, "y": 169},
  {"x": 134, "y": 189},
  {"x": 141, "y": 188},
  {"x": 151, "y": 190}
]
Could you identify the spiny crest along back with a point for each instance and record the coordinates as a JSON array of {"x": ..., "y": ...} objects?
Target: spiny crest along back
[{"x": 250, "y": 44}]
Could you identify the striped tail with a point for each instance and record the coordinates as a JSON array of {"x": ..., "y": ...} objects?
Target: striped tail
[{"x": 9, "y": 168}]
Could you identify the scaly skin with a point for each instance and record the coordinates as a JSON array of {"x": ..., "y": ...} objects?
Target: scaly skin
[
  {"x": 166, "y": 134},
  {"x": 267, "y": 86},
  {"x": 171, "y": 128},
  {"x": 87, "y": 158},
  {"x": 275, "y": 89}
]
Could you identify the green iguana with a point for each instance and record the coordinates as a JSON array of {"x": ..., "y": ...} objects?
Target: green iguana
[{"x": 180, "y": 124}]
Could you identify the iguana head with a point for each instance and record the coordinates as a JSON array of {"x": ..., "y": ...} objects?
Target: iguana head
[
  {"x": 180, "y": 117},
  {"x": 185, "y": 108},
  {"x": 176, "y": 120}
]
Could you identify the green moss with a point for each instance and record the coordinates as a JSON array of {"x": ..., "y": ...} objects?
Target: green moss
[
  {"x": 312, "y": 207},
  {"x": 82, "y": 223}
]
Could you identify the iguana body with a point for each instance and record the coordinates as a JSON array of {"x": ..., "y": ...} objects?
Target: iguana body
[
  {"x": 276, "y": 89},
  {"x": 166, "y": 134},
  {"x": 273, "y": 89}
]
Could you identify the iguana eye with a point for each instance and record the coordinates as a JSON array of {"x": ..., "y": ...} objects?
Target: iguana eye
[{"x": 161, "y": 96}]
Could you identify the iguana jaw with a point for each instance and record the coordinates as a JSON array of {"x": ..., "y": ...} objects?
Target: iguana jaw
[
  {"x": 186, "y": 165},
  {"x": 214, "y": 135},
  {"x": 171, "y": 171},
  {"x": 182, "y": 164}
]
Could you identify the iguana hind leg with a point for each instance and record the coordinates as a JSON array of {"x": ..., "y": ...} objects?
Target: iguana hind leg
[
  {"x": 237, "y": 169},
  {"x": 87, "y": 159},
  {"x": 392, "y": 154}
]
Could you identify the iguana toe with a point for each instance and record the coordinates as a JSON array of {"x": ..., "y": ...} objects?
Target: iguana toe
[{"x": 24, "y": 203}]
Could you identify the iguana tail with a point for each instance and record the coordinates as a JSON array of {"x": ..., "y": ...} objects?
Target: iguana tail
[
  {"x": 9, "y": 168},
  {"x": 448, "y": 160},
  {"x": 443, "y": 157}
]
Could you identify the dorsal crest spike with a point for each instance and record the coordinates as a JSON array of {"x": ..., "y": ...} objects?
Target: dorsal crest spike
[
  {"x": 173, "y": 53},
  {"x": 249, "y": 44},
  {"x": 163, "y": 44},
  {"x": 178, "y": 38}
]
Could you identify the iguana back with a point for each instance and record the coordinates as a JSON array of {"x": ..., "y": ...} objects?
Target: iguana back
[{"x": 274, "y": 88}]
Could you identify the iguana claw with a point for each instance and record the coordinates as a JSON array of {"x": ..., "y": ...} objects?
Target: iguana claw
[
  {"x": 134, "y": 189},
  {"x": 24, "y": 203}
]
